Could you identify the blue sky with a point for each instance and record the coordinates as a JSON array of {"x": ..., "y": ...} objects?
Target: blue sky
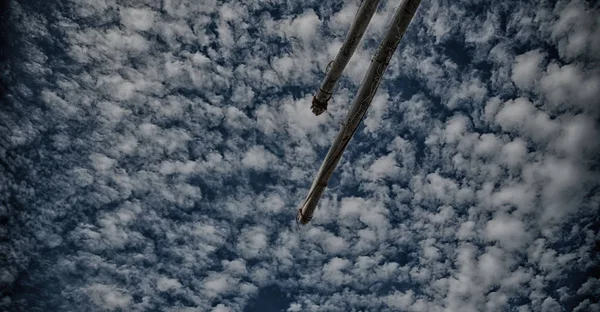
[{"x": 153, "y": 155}]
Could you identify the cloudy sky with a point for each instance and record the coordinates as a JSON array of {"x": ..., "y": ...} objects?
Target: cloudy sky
[{"x": 153, "y": 155}]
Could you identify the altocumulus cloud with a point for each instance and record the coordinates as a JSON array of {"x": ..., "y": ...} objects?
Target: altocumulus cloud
[{"x": 154, "y": 152}]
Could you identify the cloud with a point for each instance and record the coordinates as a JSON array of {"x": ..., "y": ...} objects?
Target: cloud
[
  {"x": 520, "y": 115},
  {"x": 165, "y": 283},
  {"x": 257, "y": 158},
  {"x": 508, "y": 232},
  {"x": 139, "y": 19},
  {"x": 109, "y": 297},
  {"x": 527, "y": 69},
  {"x": 152, "y": 157},
  {"x": 252, "y": 242}
]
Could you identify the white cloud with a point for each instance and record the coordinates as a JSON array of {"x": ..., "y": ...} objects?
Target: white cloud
[
  {"x": 218, "y": 284},
  {"x": 165, "y": 283},
  {"x": 109, "y": 297},
  {"x": 101, "y": 162},
  {"x": 527, "y": 69},
  {"x": 514, "y": 153},
  {"x": 466, "y": 230},
  {"x": 576, "y": 30},
  {"x": 376, "y": 110},
  {"x": 258, "y": 158},
  {"x": 252, "y": 242},
  {"x": 332, "y": 271},
  {"x": 488, "y": 145},
  {"x": 221, "y": 308},
  {"x": 578, "y": 136},
  {"x": 158, "y": 154},
  {"x": 550, "y": 305},
  {"x": 400, "y": 301},
  {"x": 303, "y": 26},
  {"x": 509, "y": 232},
  {"x": 235, "y": 266},
  {"x": 455, "y": 128},
  {"x": 137, "y": 18},
  {"x": 569, "y": 86},
  {"x": 382, "y": 167},
  {"x": 521, "y": 116}
]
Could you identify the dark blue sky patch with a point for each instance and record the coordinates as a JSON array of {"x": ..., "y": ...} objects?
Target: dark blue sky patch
[{"x": 270, "y": 299}]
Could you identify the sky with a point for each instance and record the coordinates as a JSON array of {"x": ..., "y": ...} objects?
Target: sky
[{"x": 154, "y": 154}]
